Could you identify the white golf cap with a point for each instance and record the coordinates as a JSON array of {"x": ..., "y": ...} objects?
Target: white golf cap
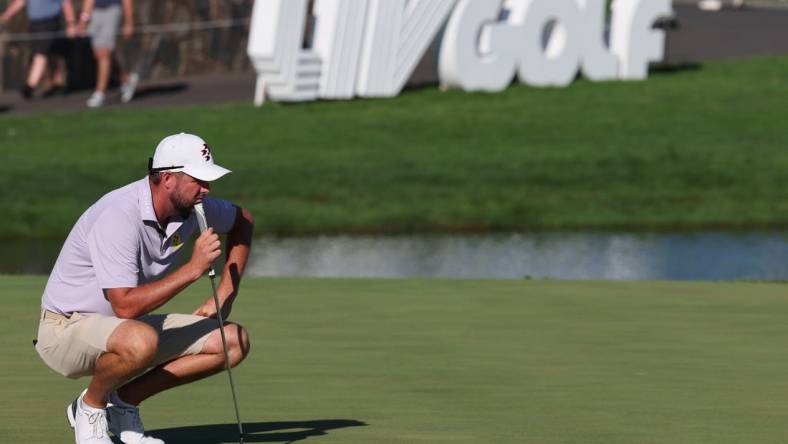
[{"x": 186, "y": 153}]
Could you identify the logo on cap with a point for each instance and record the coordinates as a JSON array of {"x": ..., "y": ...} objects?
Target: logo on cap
[{"x": 206, "y": 152}]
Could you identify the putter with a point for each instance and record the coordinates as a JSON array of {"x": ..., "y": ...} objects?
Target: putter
[{"x": 199, "y": 212}]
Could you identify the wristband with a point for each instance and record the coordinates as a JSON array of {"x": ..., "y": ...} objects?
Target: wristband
[{"x": 84, "y": 17}]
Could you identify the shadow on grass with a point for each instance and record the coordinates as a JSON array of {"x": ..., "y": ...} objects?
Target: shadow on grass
[
  {"x": 281, "y": 432},
  {"x": 675, "y": 68},
  {"x": 5, "y": 108},
  {"x": 156, "y": 90}
]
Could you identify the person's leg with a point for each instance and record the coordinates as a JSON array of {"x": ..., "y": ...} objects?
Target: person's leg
[
  {"x": 128, "y": 80},
  {"x": 130, "y": 350},
  {"x": 57, "y": 78},
  {"x": 58, "y": 72},
  {"x": 103, "y": 30},
  {"x": 189, "y": 368},
  {"x": 106, "y": 348},
  {"x": 41, "y": 48},
  {"x": 103, "y": 65},
  {"x": 37, "y": 69}
]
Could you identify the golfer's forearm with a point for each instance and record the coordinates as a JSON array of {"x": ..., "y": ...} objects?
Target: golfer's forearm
[
  {"x": 233, "y": 270},
  {"x": 136, "y": 302},
  {"x": 239, "y": 242}
]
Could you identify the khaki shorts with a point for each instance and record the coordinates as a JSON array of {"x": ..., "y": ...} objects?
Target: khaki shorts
[
  {"x": 71, "y": 345},
  {"x": 103, "y": 27}
]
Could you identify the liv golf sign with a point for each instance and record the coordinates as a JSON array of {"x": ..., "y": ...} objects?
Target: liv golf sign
[{"x": 369, "y": 48}]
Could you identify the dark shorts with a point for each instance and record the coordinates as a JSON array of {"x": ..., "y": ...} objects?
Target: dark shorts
[{"x": 46, "y": 45}]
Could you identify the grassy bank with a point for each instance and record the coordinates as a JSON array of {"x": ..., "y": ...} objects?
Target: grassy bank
[
  {"x": 404, "y": 361},
  {"x": 686, "y": 149}
]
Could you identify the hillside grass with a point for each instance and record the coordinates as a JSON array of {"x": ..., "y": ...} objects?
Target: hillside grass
[{"x": 687, "y": 149}]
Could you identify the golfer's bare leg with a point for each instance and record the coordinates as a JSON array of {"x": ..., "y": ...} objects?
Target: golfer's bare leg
[
  {"x": 130, "y": 350},
  {"x": 190, "y": 368}
]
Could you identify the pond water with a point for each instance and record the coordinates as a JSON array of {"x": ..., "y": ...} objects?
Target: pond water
[
  {"x": 753, "y": 255},
  {"x": 761, "y": 255}
]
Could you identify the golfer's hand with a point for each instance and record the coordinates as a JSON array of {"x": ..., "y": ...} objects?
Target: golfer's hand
[
  {"x": 206, "y": 249},
  {"x": 208, "y": 308},
  {"x": 128, "y": 30}
]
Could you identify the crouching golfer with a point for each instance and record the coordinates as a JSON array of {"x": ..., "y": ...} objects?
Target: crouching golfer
[{"x": 112, "y": 273}]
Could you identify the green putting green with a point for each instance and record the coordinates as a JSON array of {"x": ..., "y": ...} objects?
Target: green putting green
[{"x": 437, "y": 361}]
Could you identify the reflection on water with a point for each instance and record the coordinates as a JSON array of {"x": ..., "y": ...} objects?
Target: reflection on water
[
  {"x": 578, "y": 255},
  {"x": 759, "y": 255}
]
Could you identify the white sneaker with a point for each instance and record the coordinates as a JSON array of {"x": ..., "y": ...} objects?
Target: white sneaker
[
  {"x": 127, "y": 89},
  {"x": 95, "y": 100},
  {"x": 125, "y": 423},
  {"x": 89, "y": 423}
]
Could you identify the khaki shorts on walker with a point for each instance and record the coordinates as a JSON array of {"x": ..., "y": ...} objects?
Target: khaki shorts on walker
[
  {"x": 71, "y": 345},
  {"x": 104, "y": 25}
]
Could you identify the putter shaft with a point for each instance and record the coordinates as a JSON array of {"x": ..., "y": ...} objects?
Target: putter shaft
[
  {"x": 212, "y": 276},
  {"x": 202, "y": 222}
]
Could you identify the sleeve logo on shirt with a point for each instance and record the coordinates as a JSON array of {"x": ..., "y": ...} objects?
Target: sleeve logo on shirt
[
  {"x": 206, "y": 152},
  {"x": 177, "y": 242}
]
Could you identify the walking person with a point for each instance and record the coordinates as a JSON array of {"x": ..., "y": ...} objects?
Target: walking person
[
  {"x": 44, "y": 17},
  {"x": 101, "y": 20},
  {"x": 115, "y": 268}
]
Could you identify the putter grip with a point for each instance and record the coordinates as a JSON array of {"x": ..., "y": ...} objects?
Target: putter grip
[{"x": 199, "y": 213}]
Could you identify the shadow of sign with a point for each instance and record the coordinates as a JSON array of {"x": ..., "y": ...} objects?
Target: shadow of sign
[
  {"x": 281, "y": 432},
  {"x": 160, "y": 90},
  {"x": 676, "y": 68}
]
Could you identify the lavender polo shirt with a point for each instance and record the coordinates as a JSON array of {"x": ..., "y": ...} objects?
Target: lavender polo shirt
[{"x": 118, "y": 243}]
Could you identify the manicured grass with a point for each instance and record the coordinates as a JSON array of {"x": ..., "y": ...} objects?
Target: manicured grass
[
  {"x": 685, "y": 149},
  {"x": 432, "y": 361}
]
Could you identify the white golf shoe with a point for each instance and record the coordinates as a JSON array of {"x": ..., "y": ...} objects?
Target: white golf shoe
[
  {"x": 96, "y": 100},
  {"x": 127, "y": 89},
  {"x": 125, "y": 423},
  {"x": 89, "y": 423}
]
